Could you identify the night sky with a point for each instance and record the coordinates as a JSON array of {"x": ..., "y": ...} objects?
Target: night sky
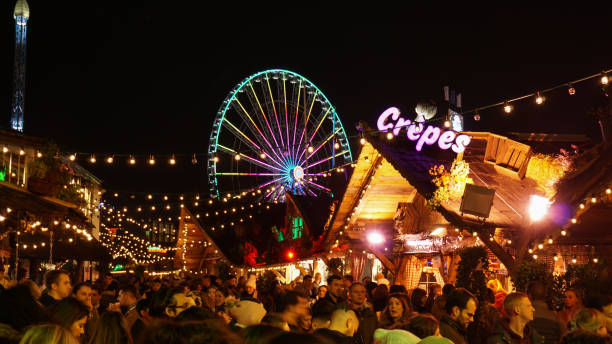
[{"x": 141, "y": 78}]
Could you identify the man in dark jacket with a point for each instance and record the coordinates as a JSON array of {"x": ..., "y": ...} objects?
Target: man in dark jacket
[
  {"x": 514, "y": 329},
  {"x": 334, "y": 296},
  {"x": 368, "y": 322},
  {"x": 460, "y": 308}
]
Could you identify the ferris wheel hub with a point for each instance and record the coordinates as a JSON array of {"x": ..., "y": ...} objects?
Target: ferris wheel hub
[{"x": 298, "y": 173}]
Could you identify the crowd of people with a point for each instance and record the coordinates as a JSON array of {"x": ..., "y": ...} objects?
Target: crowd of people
[{"x": 208, "y": 309}]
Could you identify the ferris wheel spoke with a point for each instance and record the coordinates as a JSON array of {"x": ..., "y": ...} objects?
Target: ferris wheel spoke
[
  {"x": 286, "y": 112},
  {"x": 318, "y": 186},
  {"x": 297, "y": 111},
  {"x": 253, "y": 160},
  {"x": 241, "y": 136},
  {"x": 321, "y": 145},
  {"x": 248, "y": 174},
  {"x": 280, "y": 133},
  {"x": 320, "y": 121},
  {"x": 326, "y": 159},
  {"x": 261, "y": 135},
  {"x": 263, "y": 114},
  {"x": 306, "y": 121}
]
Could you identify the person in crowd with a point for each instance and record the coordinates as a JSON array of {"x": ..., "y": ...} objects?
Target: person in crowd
[
  {"x": 178, "y": 303},
  {"x": 112, "y": 329},
  {"x": 580, "y": 336},
  {"x": 58, "y": 287},
  {"x": 423, "y": 325},
  {"x": 82, "y": 292},
  {"x": 18, "y": 309},
  {"x": 460, "y": 309},
  {"x": 195, "y": 292},
  {"x": 321, "y": 320},
  {"x": 298, "y": 338},
  {"x": 221, "y": 295},
  {"x": 107, "y": 280},
  {"x": 365, "y": 314},
  {"x": 434, "y": 291},
  {"x": 439, "y": 306},
  {"x": 573, "y": 304},
  {"x": 208, "y": 298},
  {"x": 128, "y": 297},
  {"x": 500, "y": 293},
  {"x": 321, "y": 292},
  {"x": 232, "y": 284},
  {"x": 379, "y": 298},
  {"x": 292, "y": 305},
  {"x": 208, "y": 331},
  {"x": 247, "y": 313},
  {"x": 305, "y": 323},
  {"x": 396, "y": 313},
  {"x": 260, "y": 334},
  {"x": 316, "y": 283},
  {"x": 590, "y": 319},
  {"x": 347, "y": 280},
  {"x": 276, "y": 320},
  {"x": 343, "y": 326},
  {"x": 398, "y": 288},
  {"x": 306, "y": 288},
  {"x": 514, "y": 327},
  {"x": 48, "y": 334},
  {"x": 370, "y": 286},
  {"x": 250, "y": 291},
  {"x": 383, "y": 336},
  {"x": 418, "y": 298},
  {"x": 96, "y": 295},
  {"x": 545, "y": 321},
  {"x": 485, "y": 320},
  {"x": 196, "y": 313},
  {"x": 5, "y": 281},
  {"x": 71, "y": 314},
  {"x": 109, "y": 295},
  {"x": 603, "y": 304},
  {"x": 34, "y": 288},
  {"x": 206, "y": 282},
  {"x": 335, "y": 294}
]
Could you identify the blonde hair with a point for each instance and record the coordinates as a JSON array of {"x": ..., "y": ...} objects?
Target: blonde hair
[{"x": 48, "y": 334}]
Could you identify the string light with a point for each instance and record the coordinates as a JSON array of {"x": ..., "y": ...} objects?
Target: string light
[
  {"x": 539, "y": 99},
  {"x": 604, "y": 79},
  {"x": 508, "y": 108},
  {"x": 390, "y": 136},
  {"x": 92, "y": 159},
  {"x": 172, "y": 160},
  {"x": 152, "y": 160},
  {"x": 237, "y": 157},
  {"x": 109, "y": 160},
  {"x": 571, "y": 90}
]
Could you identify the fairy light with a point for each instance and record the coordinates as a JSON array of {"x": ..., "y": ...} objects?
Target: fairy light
[
  {"x": 337, "y": 145},
  {"x": 539, "y": 99},
  {"x": 172, "y": 160},
  {"x": 110, "y": 159},
  {"x": 132, "y": 160},
  {"x": 604, "y": 79},
  {"x": 310, "y": 149},
  {"x": 237, "y": 157},
  {"x": 92, "y": 159},
  {"x": 390, "y": 136},
  {"x": 152, "y": 160},
  {"x": 508, "y": 108},
  {"x": 571, "y": 90},
  {"x": 362, "y": 141}
]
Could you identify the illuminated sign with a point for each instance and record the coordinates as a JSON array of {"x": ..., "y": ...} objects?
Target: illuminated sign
[
  {"x": 156, "y": 249},
  {"x": 423, "y": 136}
]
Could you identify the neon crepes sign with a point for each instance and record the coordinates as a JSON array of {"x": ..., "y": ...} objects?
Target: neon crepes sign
[{"x": 390, "y": 120}]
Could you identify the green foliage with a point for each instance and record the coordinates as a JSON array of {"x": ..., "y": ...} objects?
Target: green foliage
[
  {"x": 334, "y": 266},
  {"x": 70, "y": 193},
  {"x": 471, "y": 270},
  {"x": 590, "y": 277},
  {"x": 37, "y": 168}
]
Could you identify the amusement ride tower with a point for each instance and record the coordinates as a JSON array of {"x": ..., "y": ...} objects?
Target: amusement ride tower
[{"x": 21, "y": 15}]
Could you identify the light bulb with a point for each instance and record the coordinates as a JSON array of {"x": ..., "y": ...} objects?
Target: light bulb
[
  {"x": 132, "y": 160},
  {"x": 237, "y": 157},
  {"x": 563, "y": 232},
  {"x": 540, "y": 246},
  {"x": 390, "y": 136},
  {"x": 38, "y": 154},
  {"x": 595, "y": 260},
  {"x": 21, "y": 152},
  {"x": 362, "y": 141},
  {"x": 151, "y": 160},
  {"x": 539, "y": 99},
  {"x": 574, "y": 220},
  {"x": 507, "y": 108},
  {"x": 476, "y": 116},
  {"x": 336, "y": 145},
  {"x": 262, "y": 155},
  {"x": 593, "y": 200},
  {"x": 447, "y": 124},
  {"x": 172, "y": 160},
  {"x": 604, "y": 80},
  {"x": 92, "y": 159},
  {"x": 109, "y": 160},
  {"x": 571, "y": 90}
]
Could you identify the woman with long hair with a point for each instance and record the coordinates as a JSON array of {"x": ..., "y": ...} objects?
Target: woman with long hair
[
  {"x": 48, "y": 334},
  {"x": 70, "y": 314},
  {"x": 397, "y": 312},
  {"x": 112, "y": 329}
]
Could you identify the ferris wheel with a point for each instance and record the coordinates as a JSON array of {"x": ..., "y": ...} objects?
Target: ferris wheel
[{"x": 275, "y": 132}]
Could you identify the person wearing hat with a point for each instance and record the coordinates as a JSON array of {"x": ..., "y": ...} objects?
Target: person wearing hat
[
  {"x": 250, "y": 291},
  {"x": 247, "y": 313}
]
